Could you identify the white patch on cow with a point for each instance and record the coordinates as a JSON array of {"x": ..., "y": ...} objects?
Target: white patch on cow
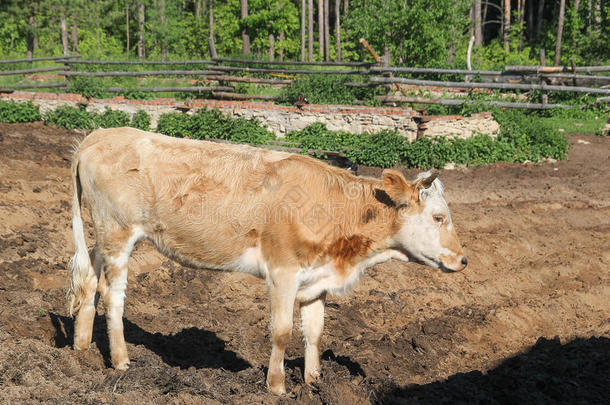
[
  {"x": 122, "y": 258},
  {"x": 315, "y": 281},
  {"x": 251, "y": 261},
  {"x": 419, "y": 235},
  {"x": 118, "y": 285}
]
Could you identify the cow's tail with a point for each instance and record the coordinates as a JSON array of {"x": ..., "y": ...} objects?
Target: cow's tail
[{"x": 80, "y": 262}]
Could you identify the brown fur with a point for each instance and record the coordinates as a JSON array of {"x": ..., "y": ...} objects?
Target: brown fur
[{"x": 345, "y": 250}]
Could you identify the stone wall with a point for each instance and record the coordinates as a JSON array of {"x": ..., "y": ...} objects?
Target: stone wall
[{"x": 280, "y": 119}]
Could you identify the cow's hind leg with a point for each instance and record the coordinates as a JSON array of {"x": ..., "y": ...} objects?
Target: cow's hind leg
[
  {"x": 282, "y": 293},
  {"x": 83, "y": 327},
  {"x": 312, "y": 324},
  {"x": 113, "y": 283}
]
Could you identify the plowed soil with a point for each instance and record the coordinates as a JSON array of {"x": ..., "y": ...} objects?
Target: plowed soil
[{"x": 528, "y": 321}]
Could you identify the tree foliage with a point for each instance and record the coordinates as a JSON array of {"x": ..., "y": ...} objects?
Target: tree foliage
[{"x": 416, "y": 32}]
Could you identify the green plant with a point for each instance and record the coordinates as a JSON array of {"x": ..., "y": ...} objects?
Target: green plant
[
  {"x": 111, "y": 119},
  {"x": 87, "y": 87},
  {"x": 380, "y": 149},
  {"x": 206, "y": 124},
  {"x": 141, "y": 120},
  {"x": 174, "y": 124},
  {"x": 70, "y": 117},
  {"x": 212, "y": 124},
  {"x": 328, "y": 89},
  {"x": 11, "y": 111}
]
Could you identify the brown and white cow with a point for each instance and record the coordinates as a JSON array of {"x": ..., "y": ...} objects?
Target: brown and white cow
[{"x": 303, "y": 226}]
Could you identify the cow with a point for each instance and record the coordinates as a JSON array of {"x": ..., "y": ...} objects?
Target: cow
[{"x": 306, "y": 228}]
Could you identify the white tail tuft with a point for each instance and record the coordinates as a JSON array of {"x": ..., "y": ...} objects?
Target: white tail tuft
[{"x": 80, "y": 262}]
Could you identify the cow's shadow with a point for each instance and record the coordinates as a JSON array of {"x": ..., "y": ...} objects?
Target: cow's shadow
[
  {"x": 577, "y": 372},
  {"x": 191, "y": 347}
]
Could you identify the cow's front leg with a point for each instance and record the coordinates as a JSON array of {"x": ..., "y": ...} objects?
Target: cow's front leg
[
  {"x": 282, "y": 293},
  {"x": 312, "y": 324}
]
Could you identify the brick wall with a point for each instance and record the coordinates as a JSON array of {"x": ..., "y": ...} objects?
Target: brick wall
[{"x": 280, "y": 119}]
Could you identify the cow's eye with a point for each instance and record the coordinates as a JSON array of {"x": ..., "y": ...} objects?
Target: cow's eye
[{"x": 439, "y": 218}]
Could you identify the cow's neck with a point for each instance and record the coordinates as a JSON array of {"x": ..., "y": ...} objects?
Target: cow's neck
[{"x": 369, "y": 226}]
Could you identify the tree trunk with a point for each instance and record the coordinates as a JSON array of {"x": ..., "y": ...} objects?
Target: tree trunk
[
  {"x": 127, "y": 28},
  {"x": 245, "y": 38},
  {"x": 281, "y": 51},
  {"x": 506, "y": 25},
  {"x": 326, "y": 31},
  {"x": 74, "y": 34},
  {"x": 310, "y": 30},
  {"x": 141, "y": 21},
  {"x": 478, "y": 31},
  {"x": 302, "y": 31},
  {"x": 212, "y": 45},
  {"x": 31, "y": 41},
  {"x": 562, "y": 10},
  {"x": 198, "y": 9},
  {"x": 539, "y": 18},
  {"x": 321, "y": 28},
  {"x": 64, "y": 34},
  {"x": 597, "y": 15},
  {"x": 338, "y": 28},
  {"x": 346, "y": 8},
  {"x": 271, "y": 46},
  {"x": 162, "y": 21},
  {"x": 530, "y": 19},
  {"x": 520, "y": 19}
]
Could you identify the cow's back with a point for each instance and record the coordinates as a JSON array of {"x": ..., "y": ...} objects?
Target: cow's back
[{"x": 194, "y": 199}]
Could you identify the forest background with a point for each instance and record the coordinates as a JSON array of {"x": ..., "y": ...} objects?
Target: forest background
[{"x": 426, "y": 33}]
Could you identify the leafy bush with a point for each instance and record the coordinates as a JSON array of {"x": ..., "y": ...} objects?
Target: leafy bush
[
  {"x": 380, "y": 149},
  {"x": 522, "y": 138},
  {"x": 207, "y": 124},
  {"x": 11, "y": 111},
  {"x": 141, "y": 120},
  {"x": 328, "y": 89},
  {"x": 111, "y": 119},
  {"x": 70, "y": 118},
  {"x": 174, "y": 124},
  {"x": 87, "y": 87},
  {"x": 212, "y": 124}
]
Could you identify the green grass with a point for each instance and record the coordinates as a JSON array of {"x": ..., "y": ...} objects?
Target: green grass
[{"x": 574, "y": 125}]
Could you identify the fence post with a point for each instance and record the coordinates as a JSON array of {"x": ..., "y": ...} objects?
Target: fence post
[
  {"x": 545, "y": 97},
  {"x": 67, "y": 78}
]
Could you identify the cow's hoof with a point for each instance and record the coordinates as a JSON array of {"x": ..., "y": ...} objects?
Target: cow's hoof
[
  {"x": 122, "y": 366},
  {"x": 312, "y": 377},
  {"x": 276, "y": 385},
  {"x": 81, "y": 346},
  {"x": 278, "y": 389}
]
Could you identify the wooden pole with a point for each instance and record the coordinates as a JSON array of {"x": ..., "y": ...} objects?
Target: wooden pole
[
  {"x": 503, "y": 104},
  {"x": 504, "y": 86},
  {"x": 545, "y": 97},
  {"x": 377, "y": 58}
]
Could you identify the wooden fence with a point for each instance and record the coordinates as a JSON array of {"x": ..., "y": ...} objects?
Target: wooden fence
[{"x": 218, "y": 76}]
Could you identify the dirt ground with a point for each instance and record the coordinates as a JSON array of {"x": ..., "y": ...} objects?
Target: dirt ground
[{"x": 529, "y": 320}]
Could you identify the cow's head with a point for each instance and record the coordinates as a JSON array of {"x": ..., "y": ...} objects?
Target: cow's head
[{"x": 423, "y": 229}]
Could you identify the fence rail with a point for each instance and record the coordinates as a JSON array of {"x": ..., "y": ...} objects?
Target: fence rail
[
  {"x": 45, "y": 58},
  {"x": 283, "y": 73}
]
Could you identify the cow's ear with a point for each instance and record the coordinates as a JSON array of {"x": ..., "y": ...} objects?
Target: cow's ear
[{"x": 395, "y": 185}]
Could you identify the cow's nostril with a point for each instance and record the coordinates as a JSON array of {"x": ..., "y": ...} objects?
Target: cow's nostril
[{"x": 464, "y": 261}]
